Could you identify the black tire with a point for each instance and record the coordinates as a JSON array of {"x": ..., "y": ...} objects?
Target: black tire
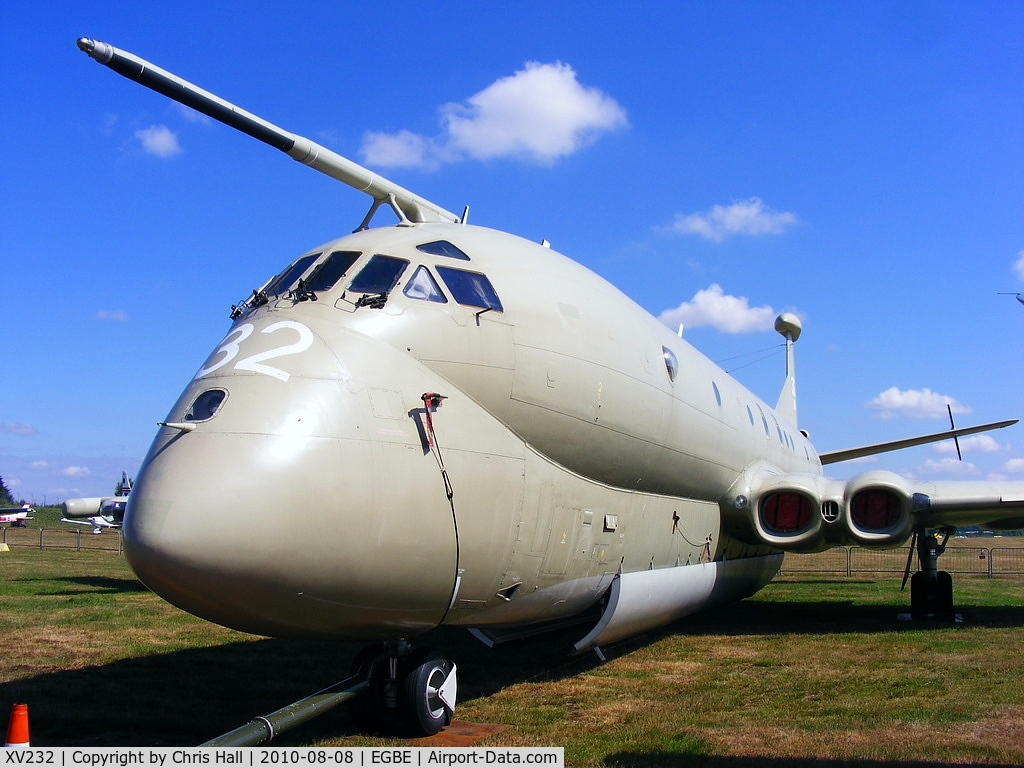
[
  {"x": 932, "y": 598},
  {"x": 423, "y": 712},
  {"x": 920, "y": 602},
  {"x": 944, "y": 597}
]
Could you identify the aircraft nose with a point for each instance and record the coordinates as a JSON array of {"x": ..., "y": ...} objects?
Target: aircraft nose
[{"x": 292, "y": 534}]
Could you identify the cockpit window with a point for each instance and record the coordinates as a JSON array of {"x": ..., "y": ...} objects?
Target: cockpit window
[
  {"x": 290, "y": 276},
  {"x": 331, "y": 270},
  {"x": 422, "y": 285},
  {"x": 379, "y": 275},
  {"x": 442, "y": 248},
  {"x": 206, "y": 405},
  {"x": 470, "y": 288}
]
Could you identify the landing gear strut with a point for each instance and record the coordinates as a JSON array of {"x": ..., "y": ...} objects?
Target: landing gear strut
[
  {"x": 411, "y": 692},
  {"x": 931, "y": 590}
]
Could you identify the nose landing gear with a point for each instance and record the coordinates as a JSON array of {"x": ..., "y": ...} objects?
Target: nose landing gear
[{"x": 411, "y": 692}]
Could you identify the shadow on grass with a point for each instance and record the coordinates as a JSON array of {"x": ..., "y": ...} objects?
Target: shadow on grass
[
  {"x": 97, "y": 584},
  {"x": 186, "y": 697}
]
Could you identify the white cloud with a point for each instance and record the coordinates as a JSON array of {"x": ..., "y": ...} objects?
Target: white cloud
[
  {"x": 18, "y": 428},
  {"x": 1018, "y": 265},
  {"x": 112, "y": 314},
  {"x": 744, "y": 217},
  {"x": 404, "y": 149},
  {"x": 914, "y": 404},
  {"x": 949, "y": 467},
  {"x": 1014, "y": 467},
  {"x": 541, "y": 113},
  {"x": 712, "y": 306},
  {"x": 159, "y": 140},
  {"x": 75, "y": 472},
  {"x": 191, "y": 115},
  {"x": 972, "y": 444}
]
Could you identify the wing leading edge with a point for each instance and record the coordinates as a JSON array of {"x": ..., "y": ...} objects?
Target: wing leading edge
[{"x": 832, "y": 457}]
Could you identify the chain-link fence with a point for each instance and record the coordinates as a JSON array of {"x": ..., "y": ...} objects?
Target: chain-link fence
[
  {"x": 978, "y": 560},
  {"x": 62, "y": 538}
]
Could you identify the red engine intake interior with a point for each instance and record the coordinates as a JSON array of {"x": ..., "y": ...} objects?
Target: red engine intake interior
[
  {"x": 875, "y": 510},
  {"x": 785, "y": 512}
]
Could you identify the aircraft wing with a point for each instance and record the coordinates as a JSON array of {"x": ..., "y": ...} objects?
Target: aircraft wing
[
  {"x": 94, "y": 522},
  {"x": 993, "y": 505},
  {"x": 832, "y": 457}
]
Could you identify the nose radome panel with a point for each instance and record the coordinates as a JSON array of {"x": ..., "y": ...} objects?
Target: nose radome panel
[{"x": 293, "y": 535}]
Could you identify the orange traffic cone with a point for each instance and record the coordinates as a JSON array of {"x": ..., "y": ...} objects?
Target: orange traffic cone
[{"x": 17, "y": 728}]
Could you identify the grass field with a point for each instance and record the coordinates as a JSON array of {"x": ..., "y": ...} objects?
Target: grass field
[{"x": 812, "y": 671}]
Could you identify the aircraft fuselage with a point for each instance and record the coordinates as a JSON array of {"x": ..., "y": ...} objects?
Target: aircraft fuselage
[{"x": 303, "y": 486}]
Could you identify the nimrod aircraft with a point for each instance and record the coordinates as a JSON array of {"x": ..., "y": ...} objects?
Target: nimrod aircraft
[{"x": 485, "y": 435}]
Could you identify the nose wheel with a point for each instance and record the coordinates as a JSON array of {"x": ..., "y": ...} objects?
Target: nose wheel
[{"x": 411, "y": 692}]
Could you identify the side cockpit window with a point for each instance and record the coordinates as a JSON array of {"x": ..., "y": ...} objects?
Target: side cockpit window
[
  {"x": 423, "y": 286},
  {"x": 330, "y": 271},
  {"x": 379, "y": 275},
  {"x": 470, "y": 288}
]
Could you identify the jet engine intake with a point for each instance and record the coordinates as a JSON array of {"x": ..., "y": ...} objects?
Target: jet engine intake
[
  {"x": 879, "y": 510},
  {"x": 809, "y": 513},
  {"x": 790, "y": 512}
]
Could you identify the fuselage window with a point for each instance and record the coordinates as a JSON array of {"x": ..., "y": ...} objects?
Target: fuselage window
[
  {"x": 422, "y": 285},
  {"x": 442, "y": 248},
  {"x": 718, "y": 395},
  {"x": 379, "y": 275},
  {"x": 750, "y": 415},
  {"x": 470, "y": 288},
  {"x": 671, "y": 363},
  {"x": 290, "y": 276},
  {"x": 331, "y": 270}
]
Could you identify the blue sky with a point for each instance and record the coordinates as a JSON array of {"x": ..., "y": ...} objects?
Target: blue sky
[{"x": 859, "y": 164}]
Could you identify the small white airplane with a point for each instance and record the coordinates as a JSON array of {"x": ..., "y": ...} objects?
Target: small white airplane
[
  {"x": 484, "y": 434},
  {"x": 109, "y": 513},
  {"x": 99, "y": 512},
  {"x": 16, "y": 516}
]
